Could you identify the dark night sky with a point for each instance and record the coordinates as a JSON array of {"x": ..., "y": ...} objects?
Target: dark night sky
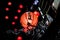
[{"x": 6, "y": 24}]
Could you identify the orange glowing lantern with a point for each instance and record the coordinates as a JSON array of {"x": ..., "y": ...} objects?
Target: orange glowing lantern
[{"x": 29, "y": 23}]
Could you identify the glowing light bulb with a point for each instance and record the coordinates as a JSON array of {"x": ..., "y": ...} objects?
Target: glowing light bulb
[
  {"x": 15, "y": 17},
  {"x": 19, "y": 38},
  {"x": 20, "y": 6},
  {"x": 13, "y": 23},
  {"x": 9, "y": 3},
  {"x": 6, "y": 17},
  {"x": 7, "y": 9},
  {"x": 18, "y": 10}
]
